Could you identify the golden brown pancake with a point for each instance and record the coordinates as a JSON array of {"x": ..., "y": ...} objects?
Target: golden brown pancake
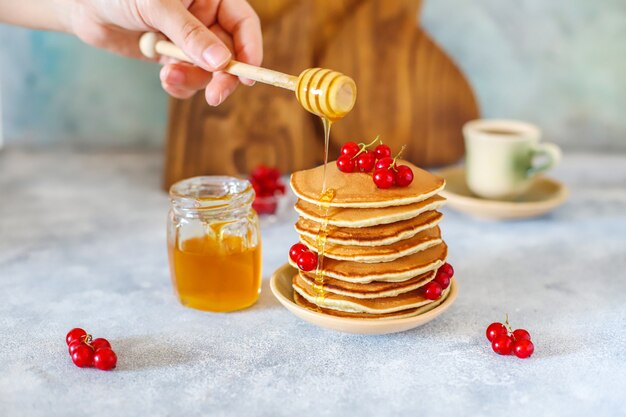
[
  {"x": 359, "y": 217},
  {"x": 374, "y": 254},
  {"x": 404, "y": 301},
  {"x": 399, "y": 270},
  {"x": 397, "y": 315},
  {"x": 358, "y": 189},
  {"x": 375, "y": 289},
  {"x": 370, "y": 236}
]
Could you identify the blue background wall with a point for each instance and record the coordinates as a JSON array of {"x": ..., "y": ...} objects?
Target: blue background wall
[{"x": 558, "y": 63}]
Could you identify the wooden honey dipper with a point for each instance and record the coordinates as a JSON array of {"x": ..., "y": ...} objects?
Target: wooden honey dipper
[{"x": 323, "y": 92}]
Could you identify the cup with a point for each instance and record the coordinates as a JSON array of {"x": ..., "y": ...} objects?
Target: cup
[{"x": 500, "y": 157}]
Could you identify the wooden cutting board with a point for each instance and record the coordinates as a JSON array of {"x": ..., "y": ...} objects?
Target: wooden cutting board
[{"x": 409, "y": 91}]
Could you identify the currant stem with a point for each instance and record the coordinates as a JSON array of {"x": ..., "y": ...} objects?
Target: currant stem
[
  {"x": 364, "y": 147},
  {"x": 87, "y": 340},
  {"x": 393, "y": 164},
  {"x": 507, "y": 325}
]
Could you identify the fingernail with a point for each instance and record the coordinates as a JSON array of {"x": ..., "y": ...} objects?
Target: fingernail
[
  {"x": 214, "y": 99},
  {"x": 175, "y": 77},
  {"x": 216, "y": 55}
]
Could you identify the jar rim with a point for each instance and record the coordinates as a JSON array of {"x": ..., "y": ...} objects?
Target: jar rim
[{"x": 211, "y": 192}]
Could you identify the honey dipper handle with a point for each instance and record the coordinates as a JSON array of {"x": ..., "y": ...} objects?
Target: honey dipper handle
[{"x": 152, "y": 45}]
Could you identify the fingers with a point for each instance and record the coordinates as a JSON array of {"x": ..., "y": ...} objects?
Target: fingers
[
  {"x": 221, "y": 86},
  {"x": 239, "y": 19},
  {"x": 186, "y": 31},
  {"x": 182, "y": 80}
]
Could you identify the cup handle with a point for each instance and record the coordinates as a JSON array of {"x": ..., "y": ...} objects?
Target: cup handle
[{"x": 550, "y": 151}]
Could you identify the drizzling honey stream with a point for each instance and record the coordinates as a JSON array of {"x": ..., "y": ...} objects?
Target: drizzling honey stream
[{"x": 315, "y": 88}]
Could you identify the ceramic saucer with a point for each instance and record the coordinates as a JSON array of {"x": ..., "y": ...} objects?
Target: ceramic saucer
[
  {"x": 280, "y": 284},
  {"x": 544, "y": 195}
]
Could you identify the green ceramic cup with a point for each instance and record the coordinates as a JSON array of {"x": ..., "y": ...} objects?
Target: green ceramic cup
[{"x": 500, "y": 157}]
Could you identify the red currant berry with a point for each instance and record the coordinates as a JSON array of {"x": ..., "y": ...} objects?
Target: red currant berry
[
  {"x": 523, "y": 348},
  {"x": 447, "y": 269},
  {"x": 307, "y": 261},
  {"x": 100, "y": 343},
  {"x": 502, "y": 344},
  {"x": 432, "y": 290},
  {"x": 382, "y": 151},
  {"x": 384, "y": 178},
  {"x": 261, "y": 172},
  {"x": 442, "y": 279},
  {"x": 75, "y": 334},
  {"x": 404, "y": 175},
  {"x": 74, "y": 345},
  {"x": 350, "y": 149},
  {"x": 265, "y": 205},
  {"x": 494, "y": 330},
  {"x": 273, "y": 174},
  {"x": 366, "y": 161},
  {"x": 296, "y": 250},
  {"x": 521, "y": 334},
  {"x": 384, "y": 163},
  {"x": 83, "y": 356},
  {"x": 345, "y": 163},
  {"x": 105, "y": 359}
]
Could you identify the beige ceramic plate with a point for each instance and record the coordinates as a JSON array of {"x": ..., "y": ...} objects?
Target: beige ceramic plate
[
  {"x": 280, "y": 284},
  {"x": 543, "y": 196}
]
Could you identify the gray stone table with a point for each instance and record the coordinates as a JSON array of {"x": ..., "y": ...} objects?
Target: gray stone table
[{"x": 82, "y": 243}]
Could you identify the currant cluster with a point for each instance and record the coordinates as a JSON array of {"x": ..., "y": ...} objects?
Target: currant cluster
[
  {"x": 505, "y": 340},
  {"x": 267, "y": 185},
  {"x": 434, "y": 288},
  {"x": 303, "y": 257},
  {"x": 387, "y": 173},
  {"x": 86, "y": 352}
]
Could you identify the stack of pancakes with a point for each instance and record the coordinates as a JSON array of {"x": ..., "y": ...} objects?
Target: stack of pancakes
[{"x": 380, "y": 246}]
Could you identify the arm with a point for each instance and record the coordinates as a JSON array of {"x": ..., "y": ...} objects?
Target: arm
[
  {"x": 211, "y": 32},
  {"x": 36, "y": 14}
]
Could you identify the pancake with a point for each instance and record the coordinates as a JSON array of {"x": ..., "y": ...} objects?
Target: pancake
[
  {"x": 399, "y": 270},
  {"x": 405, "y": 301},
  {"x": 397, "y": 315},
  {"x": 355, "y": 217},
  {"x": 370, "y": 236},
  {"x": 358, "y": 189},
  {"x": 373, "y": 289},
  {"x": 374, "y": 254}
]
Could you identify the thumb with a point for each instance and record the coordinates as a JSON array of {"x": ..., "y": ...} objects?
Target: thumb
[{"x": 200, "y": 44}]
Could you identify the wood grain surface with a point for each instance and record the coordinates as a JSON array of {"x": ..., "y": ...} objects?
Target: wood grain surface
[{"x": 409, "y": 91}]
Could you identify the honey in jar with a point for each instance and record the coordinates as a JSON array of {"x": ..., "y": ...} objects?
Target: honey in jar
[{"x": 214, "y": 243}]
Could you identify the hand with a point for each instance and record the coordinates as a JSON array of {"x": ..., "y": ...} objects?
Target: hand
[{"x": 210, "y": 32}]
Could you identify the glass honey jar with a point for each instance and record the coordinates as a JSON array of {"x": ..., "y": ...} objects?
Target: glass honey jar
[{"x": 214, "y": 243}]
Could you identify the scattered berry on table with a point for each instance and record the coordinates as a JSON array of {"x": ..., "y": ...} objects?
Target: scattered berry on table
[
  {"x": 523, "y": 348},
  {"x": 83, "y": 356},
  {"x": 75, "y": 334},
  {"x": 494, "y": 330},
  {"x": 105, "y": 359},
  {"x": 502, "y": 344},
  {"x": 521, "y": 334},
  {"x": 505, "y": 341}
]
